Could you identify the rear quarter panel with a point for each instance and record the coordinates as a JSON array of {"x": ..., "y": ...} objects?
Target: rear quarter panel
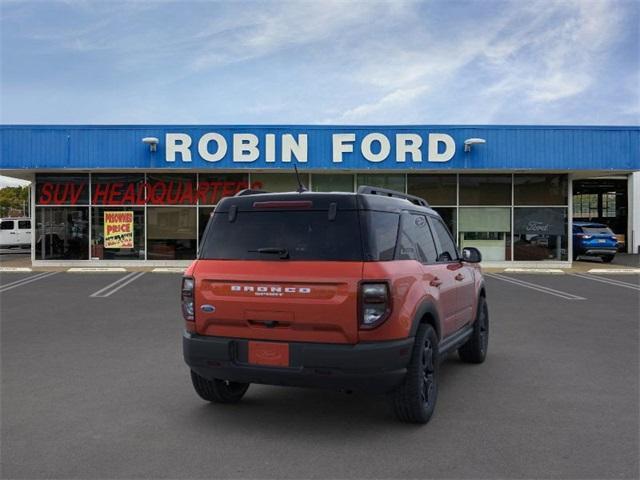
[{"x": 409, "y": 289}]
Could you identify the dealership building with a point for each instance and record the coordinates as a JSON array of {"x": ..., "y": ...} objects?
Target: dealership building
[{"x": 142, "y": 194}]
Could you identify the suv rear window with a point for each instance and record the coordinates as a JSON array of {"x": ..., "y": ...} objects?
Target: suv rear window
[
  {"x": 597, "y": 230},
  {"x": 303, "y": 235}
]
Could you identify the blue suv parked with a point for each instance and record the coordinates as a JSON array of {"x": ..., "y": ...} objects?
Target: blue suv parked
[{"x": 594, "y": 239}]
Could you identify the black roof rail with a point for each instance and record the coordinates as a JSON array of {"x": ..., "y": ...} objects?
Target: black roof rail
[
  {"x": 385, "y": 192},
  {"x": 249, "y": 191}
]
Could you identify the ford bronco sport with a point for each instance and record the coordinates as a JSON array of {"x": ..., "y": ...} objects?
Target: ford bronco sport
[{"x": 353, "y": 291}]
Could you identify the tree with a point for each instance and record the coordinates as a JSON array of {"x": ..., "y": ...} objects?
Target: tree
[{"x": 14, "y": 201}]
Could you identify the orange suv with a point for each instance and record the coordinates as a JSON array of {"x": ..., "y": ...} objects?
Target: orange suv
[{"x": 352, "y": 291}]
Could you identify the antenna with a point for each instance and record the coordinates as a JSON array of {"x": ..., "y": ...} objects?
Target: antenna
[{"x": 301, "y": 187}]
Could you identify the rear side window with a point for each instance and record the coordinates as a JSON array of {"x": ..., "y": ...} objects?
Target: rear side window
[
  {"x": 6, "y": 225},
  {"x": 24, "y": 224},
  {"x": 382, "y": 228},
  {"x": 447, "y": 249},
  {"x": 278, "y": 235},
  {"x": 415, "y": 241}
]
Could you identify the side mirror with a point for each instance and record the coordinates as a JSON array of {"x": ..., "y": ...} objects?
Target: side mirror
[{"x": 471, "y": 255}]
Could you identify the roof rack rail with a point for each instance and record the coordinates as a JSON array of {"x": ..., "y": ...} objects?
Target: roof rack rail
[
  {"x": 385, "y": 192},
  {"x": 249, "y": 191}
]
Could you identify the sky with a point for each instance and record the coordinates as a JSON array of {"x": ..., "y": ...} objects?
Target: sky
[{"x": 320, "y": 62}]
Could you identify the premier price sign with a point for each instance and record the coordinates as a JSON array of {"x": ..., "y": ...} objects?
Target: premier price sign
[{"x": 247, "y": 148}]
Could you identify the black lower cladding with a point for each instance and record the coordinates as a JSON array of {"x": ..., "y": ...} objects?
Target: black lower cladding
[{"x": 374, "y": 367}]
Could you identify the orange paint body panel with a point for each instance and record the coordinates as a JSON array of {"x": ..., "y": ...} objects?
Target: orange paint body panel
[
  {"x": 278, "y": 300},
  {"x": 269, "y": 354}
]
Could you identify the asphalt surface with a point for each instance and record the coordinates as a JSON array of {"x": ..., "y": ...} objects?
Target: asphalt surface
[{"x": 95, "y": 387}]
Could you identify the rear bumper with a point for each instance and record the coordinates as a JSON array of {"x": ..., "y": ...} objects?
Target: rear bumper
[
  {"x": 371, "y": 367},
  {"x": 599, "y": 251}
]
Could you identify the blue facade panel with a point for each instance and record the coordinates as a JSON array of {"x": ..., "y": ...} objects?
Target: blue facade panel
[{"x": 507, "y": 147}]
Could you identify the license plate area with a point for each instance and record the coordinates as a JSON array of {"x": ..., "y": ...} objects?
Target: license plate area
[{"x": 269, "y": 354}]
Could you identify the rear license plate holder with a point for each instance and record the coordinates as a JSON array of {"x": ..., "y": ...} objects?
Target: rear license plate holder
[{"x": 269, "y": 354}]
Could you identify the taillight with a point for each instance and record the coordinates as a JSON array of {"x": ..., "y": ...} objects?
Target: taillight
[
  {"x": 187, "y": 299},
  {"x": 375, "y": 304}
]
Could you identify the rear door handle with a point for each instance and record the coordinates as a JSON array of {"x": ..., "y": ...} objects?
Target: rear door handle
[
  {"x": 436, "y": 282},
  {"x": 459, "y": 277}
]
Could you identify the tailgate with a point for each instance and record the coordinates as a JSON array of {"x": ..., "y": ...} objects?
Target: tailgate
[{"x": 301, "y": 301}]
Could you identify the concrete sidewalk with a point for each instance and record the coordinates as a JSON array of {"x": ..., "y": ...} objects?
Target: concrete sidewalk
[{"x": 18, "y": 258}]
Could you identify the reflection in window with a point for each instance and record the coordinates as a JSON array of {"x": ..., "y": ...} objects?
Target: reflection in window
[
  {"x": 171, "y": 233},
  {"x": 488, "y": 230},
  {"x": 485, "y": 189},
  {"x": 62, "y": 233},
  {"x": 435, "y": 189},
  {"x": 392, "y": 181},
  {"x": 278, "y": 182},
  {"x": 540, "y": 233},
  {"x": 332, "y": 183},
  {"x": 540, "y": 189}
]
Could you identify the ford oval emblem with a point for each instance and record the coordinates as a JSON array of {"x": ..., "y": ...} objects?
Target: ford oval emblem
[{"x": 208, "y": 308}]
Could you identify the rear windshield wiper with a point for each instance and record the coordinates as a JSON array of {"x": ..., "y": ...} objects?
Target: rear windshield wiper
[{"x": 283, "y": 252}]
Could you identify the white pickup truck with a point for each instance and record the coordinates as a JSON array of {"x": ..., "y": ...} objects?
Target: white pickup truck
[{"x": 15, "y": 232}]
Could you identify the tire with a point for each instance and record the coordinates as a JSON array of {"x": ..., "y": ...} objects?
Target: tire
[
  {"x": 475, "y": 349},
  {"x": 414, "y": 401},
  {"x": 608, "y": 258},
  {"x": 218, "y": 391}
]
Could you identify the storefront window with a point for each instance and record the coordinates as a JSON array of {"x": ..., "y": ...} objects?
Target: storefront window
[
  {"x": 540, "y": 233},
  {"x": 62, "y": 189},
  {"x": 171, "y": 233},
  {"x": 540, "y": 189},
  {"x": 117, "y": 189},
  {"x": 171, "y": 189},
  {"x": 278, "y": 182},
  {"x": 332, "y": 183},
  {"x": 485, "y": 189},
  {"x": 487, "y": 229},
  {"x": 62, "y": 233},
  {"x": 214, "y": 187},
  {"x": 391, "y": 181},
  {"x": 123, "y": 229},
  {"x": 435, "y": 189}
]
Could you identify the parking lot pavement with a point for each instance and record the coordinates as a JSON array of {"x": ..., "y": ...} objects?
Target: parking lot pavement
[{"x": 95, "y": 387}]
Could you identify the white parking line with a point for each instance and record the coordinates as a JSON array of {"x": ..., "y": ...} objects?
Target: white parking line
[
  {"x": 117, "y": 285},
  {"x": 96, "y": 269},
  {"x": 535, "y": 286},
  {"x": 24, "y": 281},
  {"x": 609, "y": 281},
  {"x": 614, "y": 270}
]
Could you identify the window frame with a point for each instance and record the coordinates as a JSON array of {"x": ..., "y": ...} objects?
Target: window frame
[{"x": 432, "y": 219}]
